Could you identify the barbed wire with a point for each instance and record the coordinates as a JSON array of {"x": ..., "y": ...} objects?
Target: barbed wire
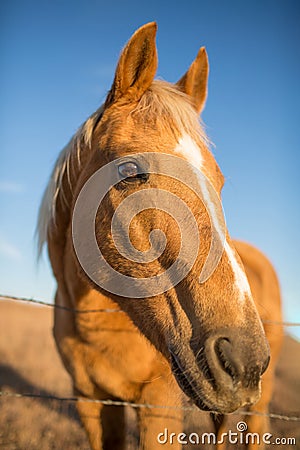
[
  {"x": 109, "y": 310},
  {"x": 117, "y": 402},
  {"x": 140, "y": 405},
  {"x": 53, "y": 305}
]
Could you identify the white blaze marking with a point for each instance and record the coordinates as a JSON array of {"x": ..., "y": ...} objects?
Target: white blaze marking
[
  {"x": 241, "y": 280},
  {"x": 188, "y": 148}
]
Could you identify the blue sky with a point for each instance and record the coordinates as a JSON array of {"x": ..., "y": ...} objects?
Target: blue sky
[{"x": 57, "y": 63}]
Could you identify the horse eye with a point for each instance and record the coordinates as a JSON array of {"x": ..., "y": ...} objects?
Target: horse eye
[{"x": 128, "y": 170}]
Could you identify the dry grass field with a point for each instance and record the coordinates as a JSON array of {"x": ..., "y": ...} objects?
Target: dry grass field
[{"x": 29, "y": 364}]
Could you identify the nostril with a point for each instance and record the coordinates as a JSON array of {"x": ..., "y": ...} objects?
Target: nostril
[
  {"x": 223, "y": 350},
  {"x": 265, "y": 365},
  {"x": 235, "y": 360}
]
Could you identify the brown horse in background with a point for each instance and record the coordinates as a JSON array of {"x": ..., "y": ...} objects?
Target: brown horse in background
[{"x": 202, "y": 338}]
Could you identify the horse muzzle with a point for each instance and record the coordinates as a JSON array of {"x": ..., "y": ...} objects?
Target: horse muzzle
[{"x": 224, "y": 374}]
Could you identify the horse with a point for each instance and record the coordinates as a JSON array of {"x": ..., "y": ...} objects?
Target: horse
[{"x": 125, "y": 331}]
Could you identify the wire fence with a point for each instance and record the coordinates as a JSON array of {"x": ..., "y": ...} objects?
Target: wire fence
[
  {"x": 53, "y": 305},
  {"x": 3, "y": 394},
  {"x": 110, "y": 310},
  {"x": 141, "y": 405}
]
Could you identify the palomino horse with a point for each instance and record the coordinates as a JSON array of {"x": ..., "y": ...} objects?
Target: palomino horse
[{"x": 201, "y": 337}]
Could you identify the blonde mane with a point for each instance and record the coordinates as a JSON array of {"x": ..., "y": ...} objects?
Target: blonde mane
[
  {"x": 47, "y": 212},
  {"x": 163, "y": 102}
]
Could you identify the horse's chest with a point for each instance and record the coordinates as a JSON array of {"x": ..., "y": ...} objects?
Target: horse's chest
[{"x": 119, "y": 347}]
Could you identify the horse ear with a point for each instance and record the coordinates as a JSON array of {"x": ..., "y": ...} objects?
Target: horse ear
[
  {"x": 136, "y": 67},
  {"x": 194, "y": 82}
]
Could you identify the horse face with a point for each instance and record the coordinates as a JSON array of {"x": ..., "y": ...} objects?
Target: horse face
[{"x": 208, "y": 330}]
